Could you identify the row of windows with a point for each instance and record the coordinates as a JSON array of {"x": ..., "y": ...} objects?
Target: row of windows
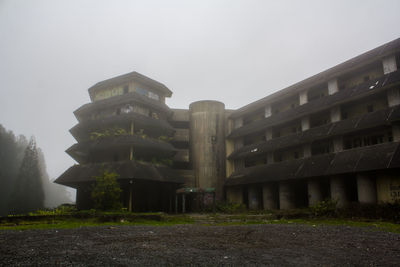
[
  {"x": 352, "y": 110},
  {"x": 319, "y": 148},
  {"x": 370, "y": 72},
  {"x": 124, "y": 90}
]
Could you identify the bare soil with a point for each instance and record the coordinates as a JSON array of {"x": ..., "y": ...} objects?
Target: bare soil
[{"x": 185, "y": 245}]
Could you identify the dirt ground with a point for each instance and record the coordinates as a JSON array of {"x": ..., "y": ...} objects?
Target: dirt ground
[{"x": 184, "y": 245}]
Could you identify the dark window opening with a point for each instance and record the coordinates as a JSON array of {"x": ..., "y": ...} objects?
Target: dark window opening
[
  {"x": 278, "y": 157},
  {"x": 296, "y": 155},
  {"x": 370, "y": 108},
  {"x": 249, "y": 162},
  {"x": 321, "y": 147},
  {"x": 366, "y": 78},
  {"x": 126, "y": 89},
  {"x": 319, "y": 119},
  {"x": 367, "y": 139}
]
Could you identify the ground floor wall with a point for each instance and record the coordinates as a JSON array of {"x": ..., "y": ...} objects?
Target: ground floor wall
[
  {"x": 136, "y": 195},
  {"x": 366, "y": 188}
]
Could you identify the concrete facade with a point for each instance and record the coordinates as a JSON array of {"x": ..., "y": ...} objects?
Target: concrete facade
[{"x": 334, "y": 135}]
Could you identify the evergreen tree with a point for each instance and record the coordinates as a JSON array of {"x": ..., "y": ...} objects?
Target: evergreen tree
[
  {"x": 8, "y": 167},
  {"x": 28, "y": 191},
  {"x": 55, "y": 194}
]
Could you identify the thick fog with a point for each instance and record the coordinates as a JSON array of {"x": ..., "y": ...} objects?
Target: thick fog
[{"x": 51, "y": 52}]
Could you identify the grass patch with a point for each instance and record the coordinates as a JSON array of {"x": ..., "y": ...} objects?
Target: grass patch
[{"x": 69, "y": 223}]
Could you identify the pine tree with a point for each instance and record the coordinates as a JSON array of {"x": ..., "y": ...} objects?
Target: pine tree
[{"x": 28, "y": 192}]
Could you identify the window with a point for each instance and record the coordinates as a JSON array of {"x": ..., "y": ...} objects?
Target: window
[
  {"x": 126, "y": 89},
  {"x": 154, "y": 96},
  {"x": 366, "y": 78},
  {"x": 141, "y": 91}
]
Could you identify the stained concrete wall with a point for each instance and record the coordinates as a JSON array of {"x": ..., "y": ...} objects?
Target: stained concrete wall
[
  {"x": 388, "y": 187},
  {"x": 234, "y": 194},
  {"x": 207, "y": 144}
]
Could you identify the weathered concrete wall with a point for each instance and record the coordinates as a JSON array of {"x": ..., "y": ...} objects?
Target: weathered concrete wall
[
  {"x": 338, "y": 191},
  {"x": 314, "y": 191},
  {"x": 287, "y": 199},
  {"x": 388, "y": 187},
  {"x": 366, "y": 189},
  {"x": 234, "y": 194},
  {"x": 180, "y": 115},
  {"x": 270, "y": 196},
  {"x": 254, "y": 196},
  {"x": 207, "y": 144}
]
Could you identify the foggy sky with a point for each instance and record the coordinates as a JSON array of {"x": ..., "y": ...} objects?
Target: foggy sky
[{"x": 236, "y": 52}]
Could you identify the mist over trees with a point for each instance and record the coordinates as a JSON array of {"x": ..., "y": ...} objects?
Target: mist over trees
[{"x": 24, "y": 182}]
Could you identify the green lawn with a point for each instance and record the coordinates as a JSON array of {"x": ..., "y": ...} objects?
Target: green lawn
[{"x": 206, "y": 220}]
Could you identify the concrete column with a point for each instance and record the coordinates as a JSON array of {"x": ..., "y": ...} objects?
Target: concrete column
[
  {"x": 338, "y": 191},
  {"x": 234, "y": 195},
  {"x": 389, "y": 64},
  {"x": 396, "y": 132},
  {"x": 314, "y": 192},
  {"x": 254, "y": 198},
  {"x": 286, "y": 196},
  {"x": 305, "y": 123},
  {"x": 307, "y": 150},
  {"x": 207, "y": 144},
  {"x": 270, "y": 157},
  {"x": 366, "y": 189},
  {"x": 303, "y": 97},
  {"x": 333, "y": 87},
  {"x": 268, "y": 134},
  {"x": 268, "y": 111},
  {"x": 337, "y": 144},
  {"x": 238, "y": 123},
  {"x": 270, "y": 197},
  {"x": 393, "y": 97},
  {"x": 335, "y": 114}
]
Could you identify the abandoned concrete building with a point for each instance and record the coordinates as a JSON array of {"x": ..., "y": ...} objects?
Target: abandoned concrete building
[{"x": 334, "y": 135}]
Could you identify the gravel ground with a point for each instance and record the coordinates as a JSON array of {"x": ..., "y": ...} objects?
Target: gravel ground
[{"x": 276, "y": 245}]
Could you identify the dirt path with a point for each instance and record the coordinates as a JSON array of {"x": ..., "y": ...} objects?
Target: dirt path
[{"x": 277, "y": 245}]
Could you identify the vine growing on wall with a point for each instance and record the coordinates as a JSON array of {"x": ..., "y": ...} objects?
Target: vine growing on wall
[{"x": 122, "y": 132}]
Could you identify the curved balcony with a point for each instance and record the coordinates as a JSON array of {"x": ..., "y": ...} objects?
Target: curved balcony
[
  {"x": 125, "y": 169},
  {"x": 142, "y": 147},
  {"x": 366, "y": 121},
  {"x": 361, "y": 90},
  {"x": 157, "y": 127},
  {"x": 121, "y": 100},
  {"x": 383, "y": 156}
]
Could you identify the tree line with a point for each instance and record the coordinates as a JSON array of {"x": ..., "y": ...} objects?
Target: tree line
[{"x": 24, "y": 183}]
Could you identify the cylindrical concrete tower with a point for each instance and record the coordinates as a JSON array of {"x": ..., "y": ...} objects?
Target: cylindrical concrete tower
[{"x": 207, "y": 144}]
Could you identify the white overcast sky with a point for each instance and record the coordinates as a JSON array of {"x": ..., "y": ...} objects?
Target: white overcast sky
[{"x": 236, "y": 52}]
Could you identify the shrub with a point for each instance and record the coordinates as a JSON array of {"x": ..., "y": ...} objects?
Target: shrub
[
  {"x": 229, "y": 207},
  {"x": 106, "y": 193},
  {"x": 324, "y": 208}
]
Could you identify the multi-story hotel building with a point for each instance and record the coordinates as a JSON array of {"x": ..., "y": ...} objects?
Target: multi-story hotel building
[{"x": 334, "y": 135}]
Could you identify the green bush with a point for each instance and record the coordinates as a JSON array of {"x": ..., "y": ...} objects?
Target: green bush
[
  {"x": 229, "y": 207},
  {"x": 324, "y": 208},
  {"x": 106, "y": 193}
]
